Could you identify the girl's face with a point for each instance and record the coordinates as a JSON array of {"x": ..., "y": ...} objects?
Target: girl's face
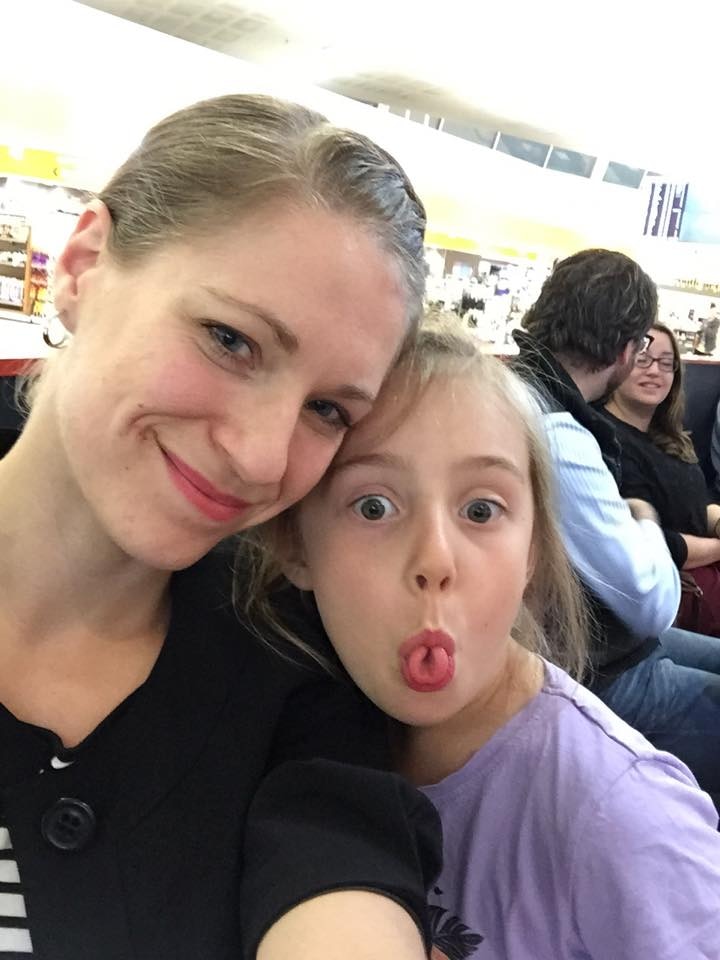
[
  {"x": 648, "y": 386},
  {"x": 207, "y": 388},
  {"x": 418, "y": 548}
]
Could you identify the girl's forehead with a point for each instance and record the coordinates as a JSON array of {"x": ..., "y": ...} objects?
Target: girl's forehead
[{"x": 410, "y": 411}]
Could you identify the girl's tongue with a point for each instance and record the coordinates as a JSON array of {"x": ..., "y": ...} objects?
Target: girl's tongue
[{"x": 427, "y": 661}]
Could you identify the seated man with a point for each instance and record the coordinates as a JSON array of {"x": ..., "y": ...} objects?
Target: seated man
[{"x": 583, "y": 334}]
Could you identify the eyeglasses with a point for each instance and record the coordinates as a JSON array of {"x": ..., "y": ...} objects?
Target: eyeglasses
[{"x": 645, "y": 361}]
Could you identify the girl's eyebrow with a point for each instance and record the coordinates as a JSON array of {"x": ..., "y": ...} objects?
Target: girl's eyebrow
[
  {"x": 370, "y": 460},
  {"x": 485, "y": 461},
  {"x": 481, "y": 462}
]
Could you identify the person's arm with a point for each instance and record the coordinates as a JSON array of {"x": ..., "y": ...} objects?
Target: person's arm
[
  {"x": 701, "y": 551},
  {"x": 713, "y": 520},
  {"x": 354, "y": 925},
  {"x": 646, "y": 875},
  {"x": 624, "y": 561},
  {"x": 324, "y": 823}
]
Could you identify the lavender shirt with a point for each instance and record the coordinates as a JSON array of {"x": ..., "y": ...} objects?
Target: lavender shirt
[{"x": 568, "y": 836}]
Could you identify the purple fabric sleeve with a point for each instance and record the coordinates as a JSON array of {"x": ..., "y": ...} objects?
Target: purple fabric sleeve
[{"x": 667, "y": 905}]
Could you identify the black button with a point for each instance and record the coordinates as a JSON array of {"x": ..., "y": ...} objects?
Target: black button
[{"x": 68, "y": 825}]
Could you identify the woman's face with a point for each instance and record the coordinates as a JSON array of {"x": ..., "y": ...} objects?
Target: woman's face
[
  {"x": 208, "y": 387},
  {"x": 418, "y": 548},
  {"x": 647, "y": 387}
]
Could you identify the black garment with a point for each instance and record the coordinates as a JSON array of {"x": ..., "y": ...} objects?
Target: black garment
[
  {"x": 222, "y": 792},
  {"x": 614, "y": 648},
  {"x": 675, "y": 488}
]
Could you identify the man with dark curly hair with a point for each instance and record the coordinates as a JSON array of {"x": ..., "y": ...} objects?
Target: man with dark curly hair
[{"x": 580, "y": 341}]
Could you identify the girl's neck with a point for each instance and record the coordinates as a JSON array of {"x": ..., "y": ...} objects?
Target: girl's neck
[
  {"x": 59, "y": 570},
  {"x": 429, "y": 754},
  {"x": 634, "y": 414}
]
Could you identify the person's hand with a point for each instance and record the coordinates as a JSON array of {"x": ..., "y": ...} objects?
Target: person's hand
[{"x": 641, "y": 509}]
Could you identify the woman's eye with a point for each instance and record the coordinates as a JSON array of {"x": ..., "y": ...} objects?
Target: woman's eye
[
  {"x": 230, "y": 341},
  {"x": 330, "y": 413},
  {"x": 480, "y": 511},
  {"x": 374, "y": 507}
]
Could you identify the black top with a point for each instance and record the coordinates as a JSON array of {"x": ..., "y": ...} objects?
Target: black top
[
  {"x": 614, "y": 647},
  {"x": 211, "y": 801},
  {"x": 675, "y": 488}
]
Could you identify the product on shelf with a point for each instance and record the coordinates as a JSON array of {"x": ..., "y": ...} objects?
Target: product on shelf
[{"x": 14, "y": 262}]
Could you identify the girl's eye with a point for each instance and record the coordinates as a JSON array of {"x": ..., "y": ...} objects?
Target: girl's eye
[
  {"x": 480, "y": 511},
  {"x": 330, "y": 413},
  {"x": 374, "y": 507},
  {"x": 230, "y": 341}
]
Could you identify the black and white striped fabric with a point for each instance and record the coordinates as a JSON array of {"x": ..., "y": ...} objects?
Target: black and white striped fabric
[{"x": 15, "y": 942}]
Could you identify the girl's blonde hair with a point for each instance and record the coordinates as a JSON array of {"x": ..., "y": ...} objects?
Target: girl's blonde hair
[{"x": 553, "y": 620}]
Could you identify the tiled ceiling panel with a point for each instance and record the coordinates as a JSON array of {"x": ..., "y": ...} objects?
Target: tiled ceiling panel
[{"x": 619, "y": 79}]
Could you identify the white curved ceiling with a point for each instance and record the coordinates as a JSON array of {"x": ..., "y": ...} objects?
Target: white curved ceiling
[{"x": 628, "y": 80}]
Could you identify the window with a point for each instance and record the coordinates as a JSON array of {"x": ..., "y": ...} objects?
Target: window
[
  {"x": 529, "y": 150},
  {"x": 623, "y": 175},
  {"x": 569, "y": 161}
]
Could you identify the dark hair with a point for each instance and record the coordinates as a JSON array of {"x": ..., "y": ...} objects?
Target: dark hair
[
  {"x": 666, "y": 427},
  {"x": 591, "y": 306}
]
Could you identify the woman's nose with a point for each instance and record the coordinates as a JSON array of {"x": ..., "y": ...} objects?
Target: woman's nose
[{"x": 258, "y": 446}]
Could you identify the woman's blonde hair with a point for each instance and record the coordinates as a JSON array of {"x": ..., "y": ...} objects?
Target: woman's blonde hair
[
  {"x": 553, "y": 620},
  {"x": 213, "y": 161}
]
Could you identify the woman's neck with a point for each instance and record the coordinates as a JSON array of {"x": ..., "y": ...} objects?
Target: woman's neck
[
  {"x": 59, "y": 570},
  {"x": 429, "y": 754},
  {"x": 634, "y": 414}
]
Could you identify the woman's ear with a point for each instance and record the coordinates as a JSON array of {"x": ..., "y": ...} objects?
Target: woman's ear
[{"x": 79, "y": 258}]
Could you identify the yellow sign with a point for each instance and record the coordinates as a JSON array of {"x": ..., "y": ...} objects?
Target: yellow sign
[{"x": 36, "y": 164}]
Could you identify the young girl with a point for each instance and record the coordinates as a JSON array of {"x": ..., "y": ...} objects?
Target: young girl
[{"x": 433, "y": 556}]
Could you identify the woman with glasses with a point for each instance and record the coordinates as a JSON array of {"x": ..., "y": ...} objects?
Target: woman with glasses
[{"x": 659, "y": 465}]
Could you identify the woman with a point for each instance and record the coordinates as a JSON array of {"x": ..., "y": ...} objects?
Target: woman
[
  {"x": 659, "y": 465},
  {"x": 169, "y": 786}
]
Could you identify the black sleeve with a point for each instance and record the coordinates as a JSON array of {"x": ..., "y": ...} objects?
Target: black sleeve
[
  {"x": 677, "y": 547},
  {"x": 635, "y": 484},
  {"x": 324, "y": 820}
]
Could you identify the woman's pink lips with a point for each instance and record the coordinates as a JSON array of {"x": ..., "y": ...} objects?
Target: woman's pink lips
[
  {"x": 427, "y": 661},
  {"x": 201, "y": 493}
]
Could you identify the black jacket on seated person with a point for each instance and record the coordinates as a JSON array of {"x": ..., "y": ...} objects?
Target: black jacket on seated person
[{"x": 676, "y": 489}]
